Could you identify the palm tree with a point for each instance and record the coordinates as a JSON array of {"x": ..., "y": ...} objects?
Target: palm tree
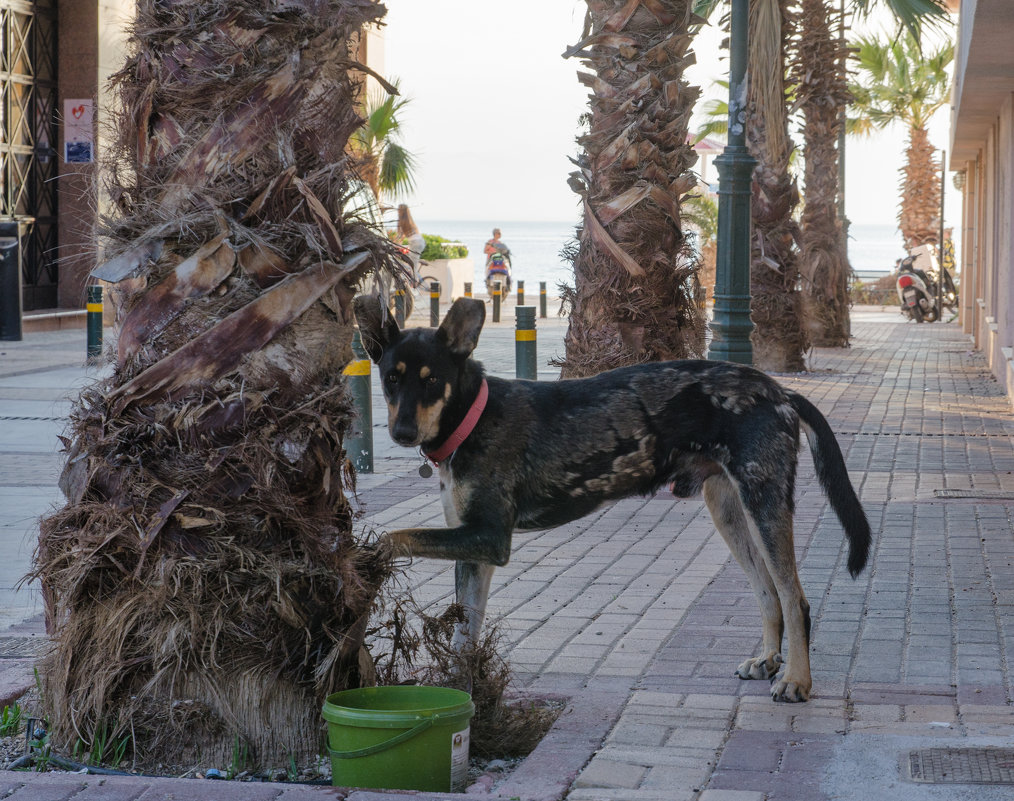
[
  {"x": 202, "y": 584},
  {"x": 897, "y": 82},
  {"x": 635, "y": 283},
  {"x": 383, "y": 161},
  {"x": 780, "y": 337},
  {"x": 820, "y": 89},
  {"x": 819, "y": 77}
]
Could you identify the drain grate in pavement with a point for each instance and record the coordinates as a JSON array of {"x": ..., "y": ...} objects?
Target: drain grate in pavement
[
  {"x": 21, "y": 647},
  {"x": 962, "y": 765},
  {"x": 995, "y": 495}
]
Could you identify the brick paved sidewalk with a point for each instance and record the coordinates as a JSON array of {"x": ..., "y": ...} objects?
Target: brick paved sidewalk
[
  {"x": 638, "y": 616},
  {"x": 642, "y": 600}
]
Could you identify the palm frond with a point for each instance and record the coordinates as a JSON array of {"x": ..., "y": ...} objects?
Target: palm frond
[
  {"x": 911, "y": 15},
  {"x": 397, "y": 170}
]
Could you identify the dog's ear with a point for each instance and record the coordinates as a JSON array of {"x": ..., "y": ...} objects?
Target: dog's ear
[
  {"x": 460, "y": 328},
  {"x": 377, "y": 326}
]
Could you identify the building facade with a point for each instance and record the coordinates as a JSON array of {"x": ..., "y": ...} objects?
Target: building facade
[
  {"x": 56, "y": 58},
  {"x": 982, "y": 155}
]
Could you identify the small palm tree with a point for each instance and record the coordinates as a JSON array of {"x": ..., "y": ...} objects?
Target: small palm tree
[
  {"x": 897, "y": 82},
  {"x": 384, "y": 162}
]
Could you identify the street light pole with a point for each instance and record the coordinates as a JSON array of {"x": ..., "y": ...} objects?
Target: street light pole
[
  {"x": 841, "y": 137},
  {"x": 731, "y": 326}
]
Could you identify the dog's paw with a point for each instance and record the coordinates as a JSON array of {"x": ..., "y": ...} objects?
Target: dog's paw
[
  {"x": 760, "y": 667},
  {"x": 790, "y": 691}
]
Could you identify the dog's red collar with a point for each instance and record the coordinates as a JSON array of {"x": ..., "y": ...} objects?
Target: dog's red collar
[{"x": 464, "y": 428}]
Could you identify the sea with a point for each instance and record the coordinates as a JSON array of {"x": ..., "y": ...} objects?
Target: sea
[{"x": 536, "y": 247}]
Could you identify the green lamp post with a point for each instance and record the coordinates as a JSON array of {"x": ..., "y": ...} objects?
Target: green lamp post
[{"x": 731, "y": 325}]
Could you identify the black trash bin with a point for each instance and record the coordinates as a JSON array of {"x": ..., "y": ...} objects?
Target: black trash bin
[{"x": 10, "y": 282}]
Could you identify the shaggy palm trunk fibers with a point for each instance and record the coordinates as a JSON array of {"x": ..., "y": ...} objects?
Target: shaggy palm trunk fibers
[
  {"x": 635, "y": 275},
  {"x": 780, "y": 338},
  {"x": 821, "y": 93},
  {"x": 203, "y": 587},
  {"x": 919, "y": 216}
]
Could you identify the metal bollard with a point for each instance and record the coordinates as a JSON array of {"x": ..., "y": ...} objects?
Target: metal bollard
[
  {"x": 496, "y": 301},
  {"x": 10, "y": 283},
  {"x": 524, "y": 344},
  {"x": 434, "y": 303},
  {"x": 94, "y": 322},
  {"x": 521, "y": 293},
  {"x": 399, "y": 307},
  {"x": 359, "y": 440},
  {"x": 542, "y": 299},
  {"x": 468, "y": 289}
]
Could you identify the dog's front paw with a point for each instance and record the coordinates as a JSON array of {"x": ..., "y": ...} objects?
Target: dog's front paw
[
  {"x": 760, "y": 667},
  {"x": 790, "y": 691}
]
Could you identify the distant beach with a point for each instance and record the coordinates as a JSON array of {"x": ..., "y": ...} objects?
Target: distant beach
[{"x": 536, "y": 247}]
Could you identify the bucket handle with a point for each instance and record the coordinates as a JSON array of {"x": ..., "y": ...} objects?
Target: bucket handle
[{"x": 370, "y": 750}]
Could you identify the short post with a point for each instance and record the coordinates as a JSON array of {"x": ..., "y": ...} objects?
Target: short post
[
  {"x": 434, "y": 303},
  {"x": 94, "y": 322},
  {"x": 468, "y": 289},
  {"x": 542, "y": 300},
  {"x": 399, "y": 307},
  {"x": 10, "y": 283},
  {"x": 521, "y": 293},
  {"x": 359, "y": 440},
  {"x": 525, "y": 362},
  {"x": 496, "y": 301}
]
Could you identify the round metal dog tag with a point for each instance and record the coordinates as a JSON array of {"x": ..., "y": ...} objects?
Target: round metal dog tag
[{"x": 425, "y": 470}]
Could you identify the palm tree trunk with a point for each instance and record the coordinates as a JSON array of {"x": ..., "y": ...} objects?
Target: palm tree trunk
[
  {"x": 634, "y": 297},
  {"x": 780, "y": 337},
  {"x": 919, "y": 215},
  {"x": 203, "y": 588},
  {"x": 821, "y": 92}
]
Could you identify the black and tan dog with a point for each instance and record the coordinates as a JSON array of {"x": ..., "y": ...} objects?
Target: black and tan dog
[{"x": 529, "y": 455}]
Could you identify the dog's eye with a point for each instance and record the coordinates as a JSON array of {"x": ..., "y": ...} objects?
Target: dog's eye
[
  {"x": 431, "y": 380},
  {"x": 393, "y": 378}
]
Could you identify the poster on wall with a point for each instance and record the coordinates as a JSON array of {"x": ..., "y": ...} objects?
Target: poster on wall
[{"x": 78, "y": 138}]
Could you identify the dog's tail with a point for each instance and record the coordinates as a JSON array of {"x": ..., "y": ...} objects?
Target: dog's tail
[{"x": 830, "y": 464}]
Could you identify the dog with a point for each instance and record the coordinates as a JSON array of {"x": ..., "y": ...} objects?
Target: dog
[{"x": 516, "y": 455}]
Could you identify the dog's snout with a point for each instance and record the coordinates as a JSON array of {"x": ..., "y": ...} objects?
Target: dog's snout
[{"x": 404, "y": 432}]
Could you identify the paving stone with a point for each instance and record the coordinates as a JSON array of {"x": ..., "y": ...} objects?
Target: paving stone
[{"x": 607, "y": 773}]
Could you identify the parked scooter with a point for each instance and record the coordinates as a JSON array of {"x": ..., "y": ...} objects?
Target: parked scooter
[
  {"x": 918, "y": 290},
  {"x": 917, "y": 301}
]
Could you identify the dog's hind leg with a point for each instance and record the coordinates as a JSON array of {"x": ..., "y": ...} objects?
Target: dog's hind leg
[
  {"x": 471, "y": 590},
  {"x": 726, "y": 509},
  {"x": 767, "y": 504}
]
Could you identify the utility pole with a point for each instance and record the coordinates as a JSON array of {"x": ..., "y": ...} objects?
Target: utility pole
[
  {"x": 732, "y": 326},
  {"x": 940, "y": 241}
]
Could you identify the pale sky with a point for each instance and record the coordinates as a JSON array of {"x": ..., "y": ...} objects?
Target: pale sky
[{"x": 494, "y": 112}]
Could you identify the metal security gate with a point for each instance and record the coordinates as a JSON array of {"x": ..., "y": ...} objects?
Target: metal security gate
[{"x": 28, "y": 135}]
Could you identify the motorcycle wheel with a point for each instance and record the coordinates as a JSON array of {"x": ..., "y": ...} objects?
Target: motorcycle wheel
[{"x": 916, "y": 313}]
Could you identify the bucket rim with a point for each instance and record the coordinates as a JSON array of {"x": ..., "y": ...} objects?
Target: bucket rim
[{"x": 438, "y": 709}]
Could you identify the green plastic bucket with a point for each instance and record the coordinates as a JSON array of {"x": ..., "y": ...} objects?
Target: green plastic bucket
[{"x": 399, "y": 738}]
